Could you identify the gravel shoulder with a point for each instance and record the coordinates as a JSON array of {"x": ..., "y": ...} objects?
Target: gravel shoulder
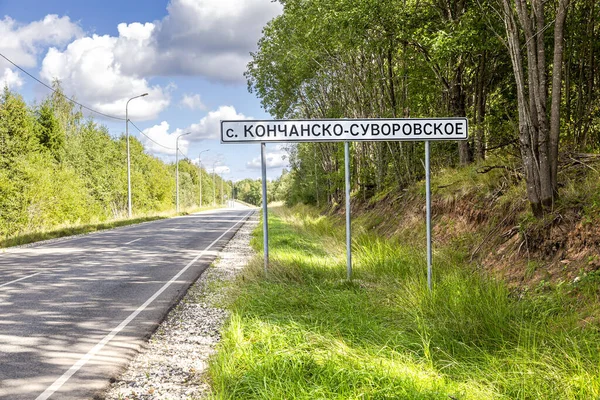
[{"x": 173, "y": 362}]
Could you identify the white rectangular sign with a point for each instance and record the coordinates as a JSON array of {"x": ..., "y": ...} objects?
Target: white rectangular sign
[{"x": 341, "y": 130}]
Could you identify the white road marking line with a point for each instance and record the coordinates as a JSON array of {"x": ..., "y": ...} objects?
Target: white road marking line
[
  {"x": 83, "y": 360},
  {"x": 100, "y": 232},
  {"x": 20, "y": 279},
  {"x": 133, "y": 241}
]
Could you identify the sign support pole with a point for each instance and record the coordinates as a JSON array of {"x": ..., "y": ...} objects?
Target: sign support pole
[
  {"x": 264, "y": 205},
  {"x": 348, "y": 225},
  {"x": 347, "y": 130},
  {"x": 428, "y": 201}
]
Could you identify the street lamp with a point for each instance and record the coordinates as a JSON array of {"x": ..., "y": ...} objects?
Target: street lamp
[
  {"x": 177, "y": 169},
  {"x": 214, "y": 185},
  {"x": 200, "y": 173},
  {"x": 128, "y": 157},
  {"x": 232, "y": 193}
]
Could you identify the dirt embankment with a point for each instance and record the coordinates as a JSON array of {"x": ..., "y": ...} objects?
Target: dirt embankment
[
  {"x": 488, "y": 218},
  {"x": 561, "y": 247}
]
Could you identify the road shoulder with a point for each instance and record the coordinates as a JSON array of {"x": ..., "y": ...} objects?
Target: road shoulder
[{"x": 173, "y": 362}]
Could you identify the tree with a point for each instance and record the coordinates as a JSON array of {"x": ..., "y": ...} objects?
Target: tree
[
  {"x": 50, "y": 135},
  {"x": 17, "y": 136},
  {"x": 249, "y": 191},
  {"x": 582, "y": 76},
  {"x": 539, "y": 129}
]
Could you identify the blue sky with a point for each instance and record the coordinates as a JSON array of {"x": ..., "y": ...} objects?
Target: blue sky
[{"x": 189, "y": 55}]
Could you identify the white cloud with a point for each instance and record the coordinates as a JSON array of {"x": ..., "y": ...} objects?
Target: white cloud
[
  {"x": 222, "y": 169},
  {"x": 22, "y": 43},
  {"x": 10, "y": 79},
  {"x": 274, "y": 159},
  {"x": 193, "y": 102},
  {"x": 209, "y": 127},
  {"x": 135, "y": 48},
  {"x": 212, "y": 38},
  {"x": 89, "y": 68},
  {"x": 218, "y": 168},
  {"x": 164, "y": 142}
]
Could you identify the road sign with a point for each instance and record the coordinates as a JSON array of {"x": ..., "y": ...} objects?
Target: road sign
[
  {"x": 346, "y": 130},
  {"x": 343, "y": 130}
]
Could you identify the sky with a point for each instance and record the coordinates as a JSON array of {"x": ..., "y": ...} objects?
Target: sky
[{"x": 188, "y": 55}]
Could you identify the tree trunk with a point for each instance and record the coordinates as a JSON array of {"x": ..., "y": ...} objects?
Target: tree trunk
[
  {"x": 479, "y": 109},
  {"x": 458, "y": 109},
  {"x": 559, "y": 30},
  {"x": 538, "y": 132}
]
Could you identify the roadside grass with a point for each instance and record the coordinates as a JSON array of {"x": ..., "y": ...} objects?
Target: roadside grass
[
  {"x": 80, "y": 229},
  {"x": 304, "y": 332}
]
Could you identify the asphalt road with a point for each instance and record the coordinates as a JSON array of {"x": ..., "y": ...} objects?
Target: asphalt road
[{"x": 74, "y": 311}]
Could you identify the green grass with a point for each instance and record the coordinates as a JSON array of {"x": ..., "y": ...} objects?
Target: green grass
[{"x": 304, "y": 332}]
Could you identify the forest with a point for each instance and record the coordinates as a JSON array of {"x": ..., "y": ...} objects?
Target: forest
[
  {"x": 525, "y": 74},
  {"x": 60, "y": 169},
  {"x": 512, "y": 309}
]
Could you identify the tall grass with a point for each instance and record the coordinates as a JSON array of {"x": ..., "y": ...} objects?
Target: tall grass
[{"x": 304, "y": 332}]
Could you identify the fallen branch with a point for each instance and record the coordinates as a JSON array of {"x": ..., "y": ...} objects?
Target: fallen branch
[
  {"x": 584, "y": 164},
  {"x": 501, "y": 145},
  {"x": 494, "y": 229},
  {"x": 488, "y": 168}
]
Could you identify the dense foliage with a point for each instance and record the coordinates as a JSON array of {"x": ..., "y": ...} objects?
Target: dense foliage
[
  {"x": 524, "y": 72},
  {"x": 250, "y": 191},
  {"x": 58, "y": 168}
]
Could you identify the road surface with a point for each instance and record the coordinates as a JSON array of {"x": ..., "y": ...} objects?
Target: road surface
[{"x": 74, "y": 311}]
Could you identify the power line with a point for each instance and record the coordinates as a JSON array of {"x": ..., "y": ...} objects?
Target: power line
[
  {"x": 59, "y": 93},
  {"x": 84, "y": 106},
  {"x": 149, "y": 138}
]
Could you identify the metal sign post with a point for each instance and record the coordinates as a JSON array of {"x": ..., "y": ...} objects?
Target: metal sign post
[
  {"x": 346, "y": 130},
  {"x": 264, "y": 205},
  {"x": 428, "y": 201},
  {"x": 348, "y": 225}
]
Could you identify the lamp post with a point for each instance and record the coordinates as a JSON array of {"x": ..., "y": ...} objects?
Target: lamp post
[
  {"x": 214, "y": 185},
  {"x": 222, "y": 194},
  {"x": 177, "y": 169},
  {"x": 200, "y": 173},
  {"x": 128, "y": 158},
  {"x": 232, "y": 193}
]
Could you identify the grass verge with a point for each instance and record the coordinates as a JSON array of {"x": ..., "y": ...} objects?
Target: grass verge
[{"x": 303, "y": 332}]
